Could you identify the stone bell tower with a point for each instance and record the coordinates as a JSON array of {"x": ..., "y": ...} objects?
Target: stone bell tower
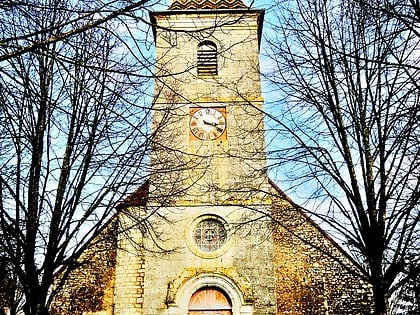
[
  {"x": 208, "y": 167},
  {"x": 209, "y": 145}
]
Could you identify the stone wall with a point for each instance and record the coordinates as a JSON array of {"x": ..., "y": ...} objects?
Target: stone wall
[
  {"x": 287, "y": 266},
  {"x": 241, "y": 267},
  {"x": 89, "y": 289},
  {"x": 129, "y": 272},
  {"x": 314, "y": 276}
]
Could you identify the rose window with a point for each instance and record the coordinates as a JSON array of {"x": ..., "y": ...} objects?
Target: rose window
[{"x": 210, "y": 235}]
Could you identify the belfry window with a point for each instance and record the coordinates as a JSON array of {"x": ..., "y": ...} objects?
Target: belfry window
[{"x": 207, "y": 59}]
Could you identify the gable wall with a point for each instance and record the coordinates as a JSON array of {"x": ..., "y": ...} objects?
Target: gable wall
[
  {"x": 89, "y": 289},
  {"x": 313, "y": 275}
]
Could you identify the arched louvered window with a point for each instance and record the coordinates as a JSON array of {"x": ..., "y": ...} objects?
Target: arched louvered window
[{"x": 207, "y": 59}]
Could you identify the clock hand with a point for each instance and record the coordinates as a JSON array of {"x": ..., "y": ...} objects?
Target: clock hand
[
  {"x": 214, "y": 125},
  {"x": 208, "y": 123}
]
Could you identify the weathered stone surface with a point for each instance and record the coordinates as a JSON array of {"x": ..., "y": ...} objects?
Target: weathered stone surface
[
  {"x": 89, "y": 289},
  {"x": 314, "y": 276},
  {"x": 282, "y": 266}
]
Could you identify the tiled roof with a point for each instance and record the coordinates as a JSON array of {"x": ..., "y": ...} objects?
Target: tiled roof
[
  {"x": 138, "y": 198},
  {"x": 207, "y": 4}
]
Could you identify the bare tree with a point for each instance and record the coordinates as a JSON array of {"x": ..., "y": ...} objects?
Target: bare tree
[
  {"x": 406, "y": 12},
  {"x": 10, "y": 290},
  {"x": 81, "y": 16},
  {"x": 406, "y": 299},
  {"x": 346, "y": 125},
  {"x": 74, "y": 130}
]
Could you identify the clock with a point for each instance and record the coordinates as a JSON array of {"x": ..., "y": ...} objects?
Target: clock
[{"x": 207, "y": 123}]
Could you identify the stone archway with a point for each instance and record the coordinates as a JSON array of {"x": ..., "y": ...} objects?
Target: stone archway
[{"x": 190, "y": 293}]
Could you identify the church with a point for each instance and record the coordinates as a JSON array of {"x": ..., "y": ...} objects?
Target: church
[{"x": 209, "y": 232}]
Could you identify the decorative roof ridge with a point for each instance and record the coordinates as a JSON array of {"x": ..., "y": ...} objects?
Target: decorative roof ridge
[{"x": 206, "y": 4}]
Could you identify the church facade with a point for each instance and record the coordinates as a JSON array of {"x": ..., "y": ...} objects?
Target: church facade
[{"x": 209, "y": 232}]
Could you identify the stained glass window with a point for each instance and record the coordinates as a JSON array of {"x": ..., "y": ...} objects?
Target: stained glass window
[{"x": 210, "y": 235}]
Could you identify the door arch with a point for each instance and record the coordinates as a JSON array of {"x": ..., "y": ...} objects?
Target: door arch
[
  {"x": 209, "y": 301},
  {"x": 180, "y": 293}
]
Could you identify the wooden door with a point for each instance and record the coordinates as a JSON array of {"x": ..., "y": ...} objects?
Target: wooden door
[{"x": 209, "y": 301}]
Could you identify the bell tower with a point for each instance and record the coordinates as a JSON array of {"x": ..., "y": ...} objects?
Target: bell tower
[
  {"x": 208, "y": 121},
  {"x": 208, "y": 179}
]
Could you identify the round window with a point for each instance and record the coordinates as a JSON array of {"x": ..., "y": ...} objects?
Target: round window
[{"x": 210, "y": 234}]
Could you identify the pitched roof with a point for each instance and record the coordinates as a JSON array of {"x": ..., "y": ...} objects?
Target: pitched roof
[
  {"x": 206, "y": 4},
  {"x": 138, "y": 198}
]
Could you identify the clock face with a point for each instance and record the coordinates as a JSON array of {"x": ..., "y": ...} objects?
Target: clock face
[{"x": 207, "y": 123}]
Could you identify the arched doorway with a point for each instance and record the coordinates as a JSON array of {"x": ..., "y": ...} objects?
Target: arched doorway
[{"x": 209, "y": 301}]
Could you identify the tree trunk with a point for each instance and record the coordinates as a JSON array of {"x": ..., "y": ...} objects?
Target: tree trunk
[
  {"x": 380, "y": 299},
  {"x": 35, "y": 305},
  {"x": 42, "y": 311}
]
